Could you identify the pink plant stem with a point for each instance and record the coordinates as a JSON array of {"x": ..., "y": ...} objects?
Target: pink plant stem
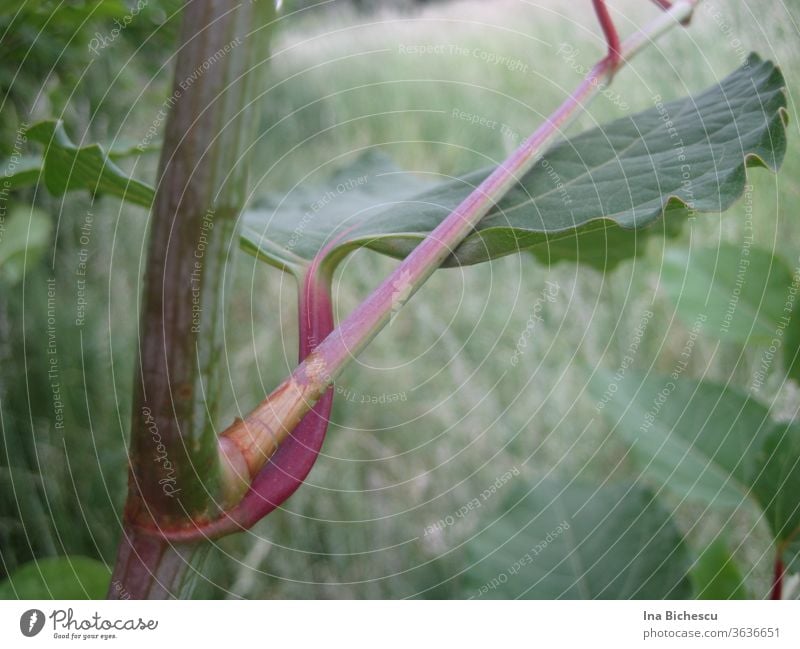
[
  {"x": 258, "y": 436},
  {"x": 286, "y": 470},
  {"x": 289, "y": 467},
  {"x": 610, "y": 31},
  {"x": 356, "y": 331},
  {"x": 248, "y": 444},
  {"x": 262, "y": 431},
  {"x": 666, "y": 5}
]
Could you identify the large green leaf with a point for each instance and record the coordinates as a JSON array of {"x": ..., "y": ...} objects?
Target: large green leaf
[
  {"x": 591, "y": 198},
  {"x": 716, "y": 576},
  {"x": 58, "y": 578},
  {"x": 66, "y": 166},
  {"x": 698, "y": 440},
  {"x": 571, "y": 541},
  {"x": 743, "y": 290},
  {"x": 588, "y": 199}
]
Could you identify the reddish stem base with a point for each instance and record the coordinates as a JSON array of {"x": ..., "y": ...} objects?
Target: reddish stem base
[{"x": 777, "y": 577}]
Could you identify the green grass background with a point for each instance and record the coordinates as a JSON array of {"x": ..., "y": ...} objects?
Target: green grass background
[{"x": 341, "y": 82}]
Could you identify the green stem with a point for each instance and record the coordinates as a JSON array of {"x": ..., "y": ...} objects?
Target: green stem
[{"x": 175, "y": 469}]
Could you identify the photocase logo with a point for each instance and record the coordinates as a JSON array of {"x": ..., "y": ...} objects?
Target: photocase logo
[{"x": 31, "y": 622}]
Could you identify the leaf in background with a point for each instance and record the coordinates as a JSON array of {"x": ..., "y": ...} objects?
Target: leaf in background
[
  {"x": 776, "y": 481},
  {"x": 571, "y": 541},
  {"x": 24, "y": 236},
  {"x": 742, "y": 290},
  {"x": 791, "y": 343},
  {"x": 715, "y": 575},
  {"x": 127, "y": 148},
  {"x": 602, "y": 186},
  {"x": 699, "y": 440},
  {"x": 26, "y": 170},
  {"x": 58, "y": 578},
  {"x": 67, "y": 166},
  {"x": 76, "y": 12}
]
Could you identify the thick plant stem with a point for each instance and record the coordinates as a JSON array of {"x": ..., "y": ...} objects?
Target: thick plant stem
[
  {"x": 151, "y": 568},
  {"x": 248, "y": 443},
  {"x": 175, "y": 471}
]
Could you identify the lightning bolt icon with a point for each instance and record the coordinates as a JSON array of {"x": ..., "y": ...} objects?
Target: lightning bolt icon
[{"x": 34, "y": 617}]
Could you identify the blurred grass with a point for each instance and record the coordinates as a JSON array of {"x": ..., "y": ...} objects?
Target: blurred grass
[{"x": 343, "y": 81}]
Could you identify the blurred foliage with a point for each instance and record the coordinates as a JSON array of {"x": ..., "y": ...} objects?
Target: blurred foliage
[
  {"x": 51, "y": 365},
  {"x": 49, "y": 68},
  {"x": 25, "y": 238},
  {"x": 744, "y": 288},
  {"x": 715, "y": 574},
  {"x": 57, "y": 578},
  {"x": 368, "y": 523},
  {"x": 568, "y": 540}
]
